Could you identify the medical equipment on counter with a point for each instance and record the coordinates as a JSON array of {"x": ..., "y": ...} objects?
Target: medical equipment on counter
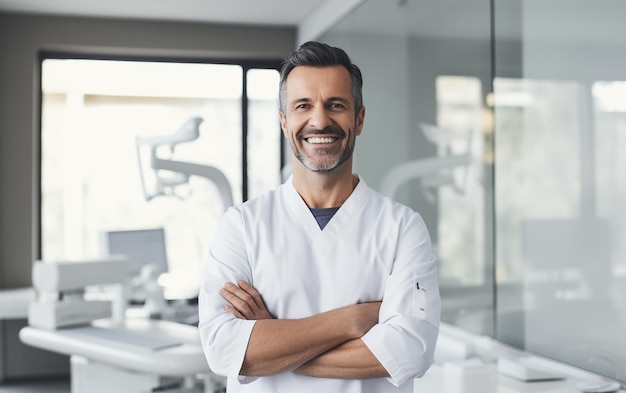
[
  {"x": 111, "y": 355},
  {"x": 152, "y": 293},
  {"x": 61, "y": 299},
  {"x": 146, "y": 252},
  {"x": 145, "y": 246},
  {"x": 468, "y": 363}
]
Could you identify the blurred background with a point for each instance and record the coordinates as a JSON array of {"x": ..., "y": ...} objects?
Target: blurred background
[{"x": 502, "y": 122}]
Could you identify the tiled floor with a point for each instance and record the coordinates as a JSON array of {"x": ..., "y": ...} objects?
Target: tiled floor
[{"x": 37, "y": 386}]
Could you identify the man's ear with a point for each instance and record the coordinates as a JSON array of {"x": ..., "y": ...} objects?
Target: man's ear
[
  {"x": 283, "y": 121},
  {"x": 360, "y": 117}
]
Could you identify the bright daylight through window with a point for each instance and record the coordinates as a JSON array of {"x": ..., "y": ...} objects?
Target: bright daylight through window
[{"x": 133, "y": 145}]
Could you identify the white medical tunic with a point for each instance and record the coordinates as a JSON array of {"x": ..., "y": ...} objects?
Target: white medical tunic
[{"x": 372, "y": 249}]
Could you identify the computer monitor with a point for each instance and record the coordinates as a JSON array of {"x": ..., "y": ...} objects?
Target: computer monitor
[{"x": 142, "y": 247}]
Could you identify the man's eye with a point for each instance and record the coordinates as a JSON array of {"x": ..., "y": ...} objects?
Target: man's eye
[
  {"x": 302, "y": 106},
  {"x": 336, "y": 105}
]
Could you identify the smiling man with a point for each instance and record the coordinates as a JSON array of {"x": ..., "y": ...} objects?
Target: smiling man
[
  {"x": 317, "y": 115},
  {"x": 323, "y": 284}
]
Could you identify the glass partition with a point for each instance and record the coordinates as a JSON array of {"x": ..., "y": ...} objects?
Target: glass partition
[
  {"x": 428, "y": 132},
  {"x": 561, "y": 180},
  {"x": 503, "y": 123}
]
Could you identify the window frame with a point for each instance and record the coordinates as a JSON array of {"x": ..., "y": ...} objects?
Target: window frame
[{"x": 245, "y": 64}]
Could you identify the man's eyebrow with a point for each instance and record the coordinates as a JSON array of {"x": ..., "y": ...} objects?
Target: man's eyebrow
[
  {"x": 301, "y": 99},
  {"x": 340, "y": 99}
]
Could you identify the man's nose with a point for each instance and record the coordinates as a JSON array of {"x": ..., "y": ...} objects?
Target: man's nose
[{"x": 319, "y": 118}]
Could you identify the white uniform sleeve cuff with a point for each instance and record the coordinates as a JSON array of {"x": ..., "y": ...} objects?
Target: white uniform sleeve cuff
[
  {"x": 242, "y": 335},
  {"x": 405, "y": 349}
]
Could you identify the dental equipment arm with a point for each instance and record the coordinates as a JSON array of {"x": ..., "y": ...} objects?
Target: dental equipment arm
[{"x": 181, "y": 171}]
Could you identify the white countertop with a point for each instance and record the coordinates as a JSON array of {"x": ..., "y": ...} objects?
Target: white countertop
[{"x": 150, "y": 346}]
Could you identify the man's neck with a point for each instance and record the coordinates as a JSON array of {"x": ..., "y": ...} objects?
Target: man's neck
[{"x": 321, "y": 190}]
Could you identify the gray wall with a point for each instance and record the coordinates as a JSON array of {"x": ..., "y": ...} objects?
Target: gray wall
[{"x": 22, "y": 37}]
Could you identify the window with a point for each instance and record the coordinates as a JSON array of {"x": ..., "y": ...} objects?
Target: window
[{"x": 105, "y": 121}]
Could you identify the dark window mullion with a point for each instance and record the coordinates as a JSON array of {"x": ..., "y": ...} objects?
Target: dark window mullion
[{"x": 244, "y": 135}]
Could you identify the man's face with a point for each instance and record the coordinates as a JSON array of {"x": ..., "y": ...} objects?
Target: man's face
[{"x": 319, "y": 119}]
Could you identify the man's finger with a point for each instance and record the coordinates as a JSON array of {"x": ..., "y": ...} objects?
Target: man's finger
[
  {"x": 234, "y": 311},
  {"x": 254, "y": 294},
  {"x": 246, "y": 300},
  {"x": 233, "y": 298}
]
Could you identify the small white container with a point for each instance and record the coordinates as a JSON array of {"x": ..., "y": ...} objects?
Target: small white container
[{"x": 470, "y": 376}]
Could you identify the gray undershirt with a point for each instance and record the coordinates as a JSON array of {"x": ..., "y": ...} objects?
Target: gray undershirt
[{"x": 323, "y": 216}]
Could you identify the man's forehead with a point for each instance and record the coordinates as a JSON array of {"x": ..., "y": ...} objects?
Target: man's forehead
[{"x": 335, "y": 77}]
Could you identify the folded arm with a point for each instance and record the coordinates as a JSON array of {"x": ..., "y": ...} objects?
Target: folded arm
[
  {"x": 324, "y": 345},
  {"x": 351, "y": 359}
]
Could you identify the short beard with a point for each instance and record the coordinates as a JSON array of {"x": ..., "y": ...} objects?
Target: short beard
[
  {"x": 347, "y": 153},
  {"x": 345, "y": 156}
]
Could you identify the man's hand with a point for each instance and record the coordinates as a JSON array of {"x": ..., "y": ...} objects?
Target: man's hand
[{"x": 245, "y": 302}]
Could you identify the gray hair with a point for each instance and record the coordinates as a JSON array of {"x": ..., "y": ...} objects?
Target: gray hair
[{"x": 317, "y": 54}]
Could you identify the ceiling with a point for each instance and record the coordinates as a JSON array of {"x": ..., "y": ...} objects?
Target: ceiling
[{"x": 256, "y": 12}]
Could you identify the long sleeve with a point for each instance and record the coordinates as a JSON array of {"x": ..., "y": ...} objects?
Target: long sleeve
[
  {"x": 405, "y": 338},
  {"x": 224, "y": 337}
]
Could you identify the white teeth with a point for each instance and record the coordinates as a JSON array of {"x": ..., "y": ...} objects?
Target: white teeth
[{"x": 320, "y": 140}]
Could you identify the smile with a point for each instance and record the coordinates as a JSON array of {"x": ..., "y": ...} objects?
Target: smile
[{"x": 321, "y": 140}]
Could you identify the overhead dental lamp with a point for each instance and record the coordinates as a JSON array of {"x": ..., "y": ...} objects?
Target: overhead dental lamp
[{"x": 168, "y": 173}]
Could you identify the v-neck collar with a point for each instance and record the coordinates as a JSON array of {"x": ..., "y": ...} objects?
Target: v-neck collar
[{"x": 346, "y": 213}]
